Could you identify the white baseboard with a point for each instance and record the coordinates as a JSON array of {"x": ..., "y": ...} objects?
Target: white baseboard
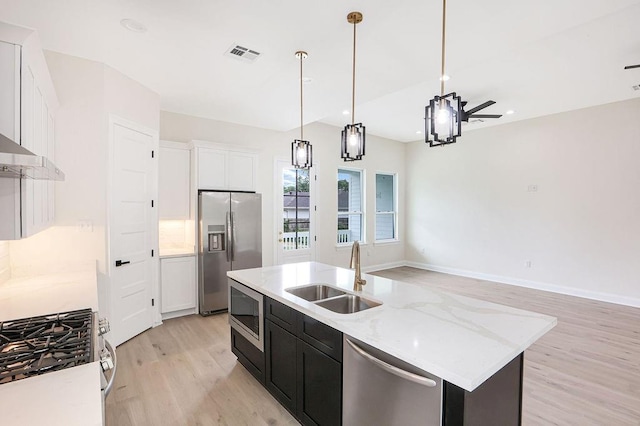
[
  {"x": 180, "y": 313},
  {"x": 382, "y": 266},
  {"x": 553, "y": 288}
]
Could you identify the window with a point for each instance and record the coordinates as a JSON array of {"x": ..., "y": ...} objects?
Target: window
[
  {"x": 350, "y": 202},
  {"x": 386, "y": 225}
]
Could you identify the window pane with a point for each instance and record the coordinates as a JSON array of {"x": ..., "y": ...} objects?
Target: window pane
[
  {"x": 349, "y": 228},
  {"x": 385, "y": 207},
  {"x": 350, "y": 221},
  {"x": 384, "y": 193},
  {"x": 295, "y": 209},
  {"x": 349, "y": 191},
  {"x": 385, "y": 226}
]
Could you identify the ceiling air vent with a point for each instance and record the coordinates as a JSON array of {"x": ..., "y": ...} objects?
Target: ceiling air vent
[{"x": 242, "y": 53}]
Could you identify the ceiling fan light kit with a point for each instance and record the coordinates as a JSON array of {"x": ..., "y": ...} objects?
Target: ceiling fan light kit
[
  {"x": 354, "y": 134},
  {"x": 301, "y": 150}
]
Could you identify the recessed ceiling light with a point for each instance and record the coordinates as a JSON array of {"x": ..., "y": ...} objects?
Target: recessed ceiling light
[
  {"x": 510, "y": 112},
  {"x": 345, "y": 112},
  {"x": 133, "y": 25},
  {"x": 418, "y": 132},
  {"x": 445, "y": 78}
]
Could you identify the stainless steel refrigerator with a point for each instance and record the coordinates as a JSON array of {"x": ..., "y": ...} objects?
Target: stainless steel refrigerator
[{"x": 230, "y": 238}]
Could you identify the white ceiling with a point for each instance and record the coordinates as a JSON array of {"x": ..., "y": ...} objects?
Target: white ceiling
[{"x": 535, "y": 57}]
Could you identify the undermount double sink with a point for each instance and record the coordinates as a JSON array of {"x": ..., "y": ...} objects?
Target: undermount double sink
[{"x": 333, "y": 299}]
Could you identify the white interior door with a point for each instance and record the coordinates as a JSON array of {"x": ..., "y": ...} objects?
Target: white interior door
[
  {"x": 295, "y": 214},
  {"x": 132, "y": 228}
]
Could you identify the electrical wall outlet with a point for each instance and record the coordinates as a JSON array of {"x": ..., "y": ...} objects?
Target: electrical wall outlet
[
  {"x": 532, "y": 188},
  {"x": 85, "y": 226},
  {"x": 527, "y": 263}
]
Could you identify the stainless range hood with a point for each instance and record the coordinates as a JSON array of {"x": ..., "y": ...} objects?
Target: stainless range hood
[{"x": 18, "y": 162}]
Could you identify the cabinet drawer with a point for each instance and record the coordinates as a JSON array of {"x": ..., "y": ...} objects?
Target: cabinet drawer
[
  {"x": 248, "y": 355},
  {"x": 281, "y": 314},
  {"x": 322, "y": 337}
]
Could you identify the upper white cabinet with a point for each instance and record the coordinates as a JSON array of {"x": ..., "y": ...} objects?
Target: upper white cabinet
[
  {"x": 174, "y": 181},
  {"x": 27, "y": 116},
  {"x": 224, "y": 169}
]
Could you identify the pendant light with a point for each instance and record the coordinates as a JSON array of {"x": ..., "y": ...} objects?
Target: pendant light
[
  {"x": 301, "y": 150},
  {"x": 443, "y": 115},
  {"x": 353, "y": 135}
]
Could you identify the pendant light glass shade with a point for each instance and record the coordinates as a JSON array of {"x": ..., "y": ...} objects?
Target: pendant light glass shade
[
  {"x": 301, "y": 150},
  {"x": 301, "y": 154},
  {"x": 353, "y": 142},
  {"x": 443, "y": 122},
  {"x": 353, "y": 135}
]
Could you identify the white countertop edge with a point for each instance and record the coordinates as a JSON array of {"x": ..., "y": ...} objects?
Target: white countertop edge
[{"x": 466, "y": 383}]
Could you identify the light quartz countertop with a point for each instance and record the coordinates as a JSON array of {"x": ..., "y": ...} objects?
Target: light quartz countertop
[
  {"x": 44, "y": 294},
  {"x": 69, "y": 397},
  {"x": 462, "y": 340},
  {"x": 167, "y": 252}
]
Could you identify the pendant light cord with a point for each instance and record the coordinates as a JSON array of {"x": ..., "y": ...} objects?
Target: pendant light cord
[
  {"x": 353, "y": 85},
  {"x": 444, "y": 20},
  {"x": 301, "y": 119}
]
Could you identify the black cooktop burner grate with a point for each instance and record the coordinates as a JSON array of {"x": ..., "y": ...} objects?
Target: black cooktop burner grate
[{"x": 38, "y": 345}]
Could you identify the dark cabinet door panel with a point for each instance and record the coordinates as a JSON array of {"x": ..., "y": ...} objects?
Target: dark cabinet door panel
[
  {"x": 319, "y": 387},
  {"x": 281, "y": 355}
]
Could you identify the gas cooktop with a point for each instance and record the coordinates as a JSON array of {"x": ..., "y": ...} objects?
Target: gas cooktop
[{"x": 38, "y": 345}]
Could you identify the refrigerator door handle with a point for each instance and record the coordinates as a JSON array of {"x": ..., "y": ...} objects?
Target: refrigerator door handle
[
  {"x": 229, "y": 248},
  {"x": 233, "y": 236}
]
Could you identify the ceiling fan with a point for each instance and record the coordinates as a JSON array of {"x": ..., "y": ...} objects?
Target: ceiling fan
[
  {"x": 629, "y": 67},
  {"x": 466, "y": 115}
]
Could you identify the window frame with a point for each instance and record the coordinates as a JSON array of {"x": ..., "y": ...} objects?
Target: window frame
[
  {"x": 393, "y": 212},
  {"x": 361, "y": 212}
]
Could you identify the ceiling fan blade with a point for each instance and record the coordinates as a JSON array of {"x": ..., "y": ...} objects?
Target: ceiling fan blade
[
  {"x": 485, "y": 116},
  {"x": 481, "y": 106},
  {"x": 628, "y": 67}
]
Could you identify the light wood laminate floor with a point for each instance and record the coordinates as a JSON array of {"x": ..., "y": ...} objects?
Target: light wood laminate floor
[{"x": 586, "y": 371}]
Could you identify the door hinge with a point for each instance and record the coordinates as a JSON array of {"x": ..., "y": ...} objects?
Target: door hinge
[
  {"x": 315, "y": 177},
  {"x": 315, "y": 208},
  {"x": 152, "y": 253},
  {"x": 315, "y": 238},
  {"x": 153, "y": 302},
  {"x": 153, "y": 154},
  {"x": 151, "y": 203}
]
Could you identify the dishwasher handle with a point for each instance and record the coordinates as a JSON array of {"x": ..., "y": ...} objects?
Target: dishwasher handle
[{"x": 407, "y": 375}]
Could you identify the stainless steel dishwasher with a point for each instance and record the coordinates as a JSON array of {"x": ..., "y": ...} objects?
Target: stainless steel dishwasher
[{"x": 378, "y": 389}]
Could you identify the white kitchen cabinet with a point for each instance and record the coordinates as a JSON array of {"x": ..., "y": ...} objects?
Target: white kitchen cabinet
[
  {"x": 174, "y": 181},
  {"x": 227, "y": 170},
  {"x": 27, "y": 108},
  {"x": 178, "y": 282}
]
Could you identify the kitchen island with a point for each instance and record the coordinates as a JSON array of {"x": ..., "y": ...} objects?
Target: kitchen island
[{"x": 463, "y": 341}]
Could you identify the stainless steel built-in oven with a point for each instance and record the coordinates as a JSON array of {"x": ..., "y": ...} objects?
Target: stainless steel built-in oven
[{"x": 246, "y": 313}]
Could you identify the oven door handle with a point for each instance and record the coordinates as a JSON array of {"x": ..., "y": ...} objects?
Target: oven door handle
[{"x": 114, "y": 357}]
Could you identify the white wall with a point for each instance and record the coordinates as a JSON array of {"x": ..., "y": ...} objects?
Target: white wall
[
  {"x": 382, "y": 155},
  {"x": 469, "y": 210},
  {"x": 88, "y": 92}
]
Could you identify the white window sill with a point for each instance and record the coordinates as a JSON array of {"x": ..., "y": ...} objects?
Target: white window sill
[
  {"x": 385, "y": 242},
  {"x": 345, "y": 246}
]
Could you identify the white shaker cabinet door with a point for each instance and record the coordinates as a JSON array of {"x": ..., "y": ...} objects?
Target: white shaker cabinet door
[
  {"x": 242, "y": 171},
  {"x": 178, "y": 282},
  {"x": 212, "y": 169},
  {"x": 173, "y": 185}
]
